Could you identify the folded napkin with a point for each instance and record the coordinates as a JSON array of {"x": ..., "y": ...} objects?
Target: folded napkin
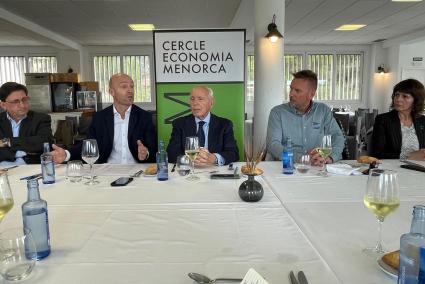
[{"x": 342, "y": 169}]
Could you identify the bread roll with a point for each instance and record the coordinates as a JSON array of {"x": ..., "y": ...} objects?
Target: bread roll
[
  {"x": 247, "y": 170},
  {"x": 366, "y": 159},
  {"x": 151, "y": 170},
  {"x": 392, "y": 259}
]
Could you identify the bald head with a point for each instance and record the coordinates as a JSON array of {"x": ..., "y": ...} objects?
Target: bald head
[{"x": 121, "y": 88}]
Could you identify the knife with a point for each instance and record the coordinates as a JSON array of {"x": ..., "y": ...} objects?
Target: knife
[
  {"x": 302, "y": 278},
  {"x": 137, "y": 174},
  {"x": 292, "y": 278}
]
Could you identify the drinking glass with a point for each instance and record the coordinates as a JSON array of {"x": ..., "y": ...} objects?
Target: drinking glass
[
  {"x": 192, "y": 151},
  {"x": 382, "y": 198},
  {"x": 302, "y": 165},
  {"x": 90, "y": 154},
  {"x": 74, "y": 171},
  {"x": 183, "y": 165},
  {"x": 15, "y": 261},
  {"x": 6, "y": 197},
  {"x": 325, "y": 151}
]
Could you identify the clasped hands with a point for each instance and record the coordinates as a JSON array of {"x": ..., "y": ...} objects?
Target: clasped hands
[
  {"x": 317, "y": 160},
  {"x": 205, "y": 158}
]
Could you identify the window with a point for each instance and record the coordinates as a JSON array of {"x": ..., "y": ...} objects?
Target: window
[
  {"x": 293, "y": 64},
  {"x": 42, "y": 64},
  {"x": 136, "y": 66},
  {"x": 250, "y": 78},
  {"x": 12, "y": 68},
  {"x": 339, "y": 75},
  {"x": 348, "y": 77},
  {"x": 322, "y": 65}
]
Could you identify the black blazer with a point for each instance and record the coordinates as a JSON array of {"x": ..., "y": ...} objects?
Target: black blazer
[
  {"x": 220, "y": 137},
  {"x": 386, "y": 137},
  {"x": 35, "y": 129},
  {"x": 140, "y": 127}
]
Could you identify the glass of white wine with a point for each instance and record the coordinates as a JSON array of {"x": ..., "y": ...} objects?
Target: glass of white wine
[
  {"x": 192, "y": 151},
  {"x": 6, "y": 197},
  {"x": 90, "y": 154},
  {"x": 382, "y": 198},
  {"x": 325, "y": 151}
]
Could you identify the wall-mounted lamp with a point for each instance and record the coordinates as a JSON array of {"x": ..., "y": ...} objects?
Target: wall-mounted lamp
[
  {"x": 382, "y": 69},
  {"x": 273, "y": 33}
]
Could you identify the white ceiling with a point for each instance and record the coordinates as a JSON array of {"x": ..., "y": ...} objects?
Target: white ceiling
[{"x": 104, "y": 22}]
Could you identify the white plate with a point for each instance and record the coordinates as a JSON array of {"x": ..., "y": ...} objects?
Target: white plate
[{"x": 393, "y": 273}]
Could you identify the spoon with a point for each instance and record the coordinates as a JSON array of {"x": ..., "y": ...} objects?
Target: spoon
[{"x": 202, "y": 279}]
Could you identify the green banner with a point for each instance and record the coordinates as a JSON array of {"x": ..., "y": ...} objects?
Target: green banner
[{"x": 173, "y": 102}]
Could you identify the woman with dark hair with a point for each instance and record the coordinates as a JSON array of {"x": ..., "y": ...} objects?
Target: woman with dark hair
[{"x": 400, "y": 133}]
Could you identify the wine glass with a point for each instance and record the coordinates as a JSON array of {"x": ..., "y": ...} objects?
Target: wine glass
[
  {"x": 325, "y": 151},
  {"x": 6, "y": 197},
  {"x": 183, "y": 165},
  {"x": 302, "y": 164},
  {"x": 382, "y": 198},
  {"x": 90, "y": 154},
  {"x": 192, "y": 151}
]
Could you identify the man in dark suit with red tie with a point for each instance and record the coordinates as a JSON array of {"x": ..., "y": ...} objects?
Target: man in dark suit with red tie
[{"x": 215, "y": 134}]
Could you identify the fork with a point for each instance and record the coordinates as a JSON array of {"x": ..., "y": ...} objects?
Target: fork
[
  {"x": 302, "y": 279},
  {"x": 137, "y": 174}
]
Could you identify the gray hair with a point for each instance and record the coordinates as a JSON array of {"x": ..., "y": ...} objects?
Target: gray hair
[{"x": 209, "y": 90}]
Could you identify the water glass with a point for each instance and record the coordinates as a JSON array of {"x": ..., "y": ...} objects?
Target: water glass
[
  {"x": 74, "y": 170},
  {"x": 183, "y": 165},
  {"x": 302, "y": 165},
  {"x": 15, "y": 262}
]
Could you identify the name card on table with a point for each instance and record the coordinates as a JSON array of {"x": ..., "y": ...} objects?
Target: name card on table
[{"x": 253, "y": 277}]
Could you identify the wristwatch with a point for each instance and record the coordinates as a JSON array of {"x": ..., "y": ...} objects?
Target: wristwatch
[{"x": 5, "y": 142}]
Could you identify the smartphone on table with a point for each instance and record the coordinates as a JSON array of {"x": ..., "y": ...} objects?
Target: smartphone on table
[{"x": 122, "y": 181}]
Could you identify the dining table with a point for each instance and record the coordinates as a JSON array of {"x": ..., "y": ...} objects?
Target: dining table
[{"x": 152, "y": 231}]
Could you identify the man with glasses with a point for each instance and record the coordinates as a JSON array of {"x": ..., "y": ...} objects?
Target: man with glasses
[{"x": 22, "y": 131}]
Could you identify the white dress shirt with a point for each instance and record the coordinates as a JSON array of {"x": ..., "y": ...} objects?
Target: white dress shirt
[
  {"x": 220, "y": 160},
  {"x": 120, "y": 151}
]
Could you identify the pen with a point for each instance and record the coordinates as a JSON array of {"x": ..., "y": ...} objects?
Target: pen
[
  {"x": 31, "y": 177},
  {"x": 174, "y": 167}
]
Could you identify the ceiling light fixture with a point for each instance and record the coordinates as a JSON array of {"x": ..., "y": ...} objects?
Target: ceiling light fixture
[
  {"x": 382, "y": 69},
  {"x": 142, "y": 27},
  {"x": 351, "y": 27},
  {"x": 273, "y": 33}
]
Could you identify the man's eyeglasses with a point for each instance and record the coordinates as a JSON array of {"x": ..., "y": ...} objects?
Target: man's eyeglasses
[{"x": 24, "y": 101}]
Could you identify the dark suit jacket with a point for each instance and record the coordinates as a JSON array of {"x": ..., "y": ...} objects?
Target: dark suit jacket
[
  {"x": 35, "y": 129},
  {"x": 386, "y": 137},
  {"x": 220, "y": 137},
  {"x": 140, "y": 127}
]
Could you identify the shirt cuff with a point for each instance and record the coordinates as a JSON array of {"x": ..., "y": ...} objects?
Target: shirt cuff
[
  {"x": 220, "y": 160},
  {"x": 68, "y": 156}
]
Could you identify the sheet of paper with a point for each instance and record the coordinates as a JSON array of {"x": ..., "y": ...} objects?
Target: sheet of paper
[
  {"x": 116, "y": 169},
  {"x": 253, "y": 277}
]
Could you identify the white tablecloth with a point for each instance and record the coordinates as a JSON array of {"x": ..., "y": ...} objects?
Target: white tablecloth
[
  {"x": 330, "y": 211},
  {"x": 157, "y": 232}
]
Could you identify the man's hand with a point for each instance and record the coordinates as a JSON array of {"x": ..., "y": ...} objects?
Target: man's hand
[
  {"x": 205, "y": 158},
  {"x": 142, "y": 151},
  {"x": 317, "y": 160},
  {"x": 58, "y": 154},
  {"x": 417, "y": 155}
]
